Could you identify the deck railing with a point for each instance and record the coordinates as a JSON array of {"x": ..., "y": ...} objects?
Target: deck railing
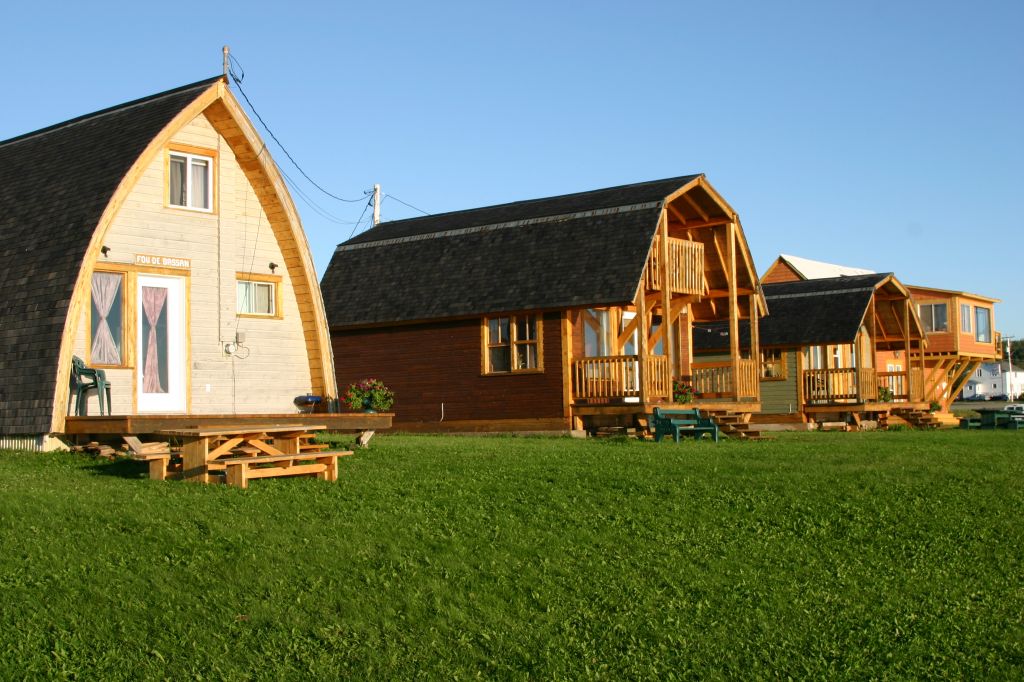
[
  {"x": 718, "y": 379},
  {"x": 904, "y": 387},
  {"x": 685, "y": 267},
  {"x": 618, "y": 376},
  {"x": 840, "y": 385}
]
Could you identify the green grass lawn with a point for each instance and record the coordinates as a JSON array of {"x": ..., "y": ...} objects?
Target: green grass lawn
[{"x": 849, "y": 555}]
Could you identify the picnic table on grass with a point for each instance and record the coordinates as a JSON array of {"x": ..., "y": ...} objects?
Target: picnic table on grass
[
  {"x": 244, "y": 452},
  {"x": 991, "y": 419}
]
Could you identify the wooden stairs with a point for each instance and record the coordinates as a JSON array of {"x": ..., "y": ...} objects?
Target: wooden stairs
[
  {"x": 923, "y": 419},
  {"x": 735, "y": 424}
]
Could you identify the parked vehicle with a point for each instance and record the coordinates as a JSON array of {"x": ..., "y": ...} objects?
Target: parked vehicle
[
  {"x": 1001, "y": 396},
  {"x": 976, "y": 398},
  {"x": 1016, "y": 408}
]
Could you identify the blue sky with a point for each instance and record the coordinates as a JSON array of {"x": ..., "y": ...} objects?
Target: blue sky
[{"x": 885, "y": 135}]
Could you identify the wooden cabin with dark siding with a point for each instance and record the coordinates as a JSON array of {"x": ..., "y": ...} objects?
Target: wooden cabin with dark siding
[
  {"x": 821, "y": 346},
  {"x": 546, "y": 315}
]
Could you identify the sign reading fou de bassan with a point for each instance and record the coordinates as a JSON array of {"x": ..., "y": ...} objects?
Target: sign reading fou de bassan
[{"x": 162, "y": 261}]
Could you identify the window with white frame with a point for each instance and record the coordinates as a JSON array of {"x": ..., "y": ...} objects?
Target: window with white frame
[
  {"x": 257, "y": 298},
  {"x": 934, "y": 317},
  {"x": 982, "y": 324},
  {"x": 190, "y": 181},
  {"x": 965, "y": 319}
]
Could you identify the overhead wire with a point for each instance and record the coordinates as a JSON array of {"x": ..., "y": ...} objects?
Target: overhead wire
[
  {"x": 392, "y": 196},
  {"x": 238, "y": 84}
]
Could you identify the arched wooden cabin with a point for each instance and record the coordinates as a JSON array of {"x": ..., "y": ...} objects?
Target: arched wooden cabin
[
  {"x": 551, "y": 314},
  {"x": 155, "y": 240}
]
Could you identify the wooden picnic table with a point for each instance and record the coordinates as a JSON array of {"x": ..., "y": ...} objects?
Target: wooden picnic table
[{"x": 202, "y": 447}]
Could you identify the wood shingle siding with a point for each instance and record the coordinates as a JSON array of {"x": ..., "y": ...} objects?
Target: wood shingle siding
[{"x": 55, "y": 184}]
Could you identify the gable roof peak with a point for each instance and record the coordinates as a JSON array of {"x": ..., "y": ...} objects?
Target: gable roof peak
[{"x": 816, "y": 269}]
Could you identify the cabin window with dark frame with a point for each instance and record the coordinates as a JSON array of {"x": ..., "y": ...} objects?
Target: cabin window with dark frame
[
  {"x": 983, "y": 325},
  {"x": 106, "y": 323},
  {"x": 190, "y": 181},
  {"x": 934, "y": 317},
  {"x": 512, "y": 344},
  {"x": 773, "y": 364}
]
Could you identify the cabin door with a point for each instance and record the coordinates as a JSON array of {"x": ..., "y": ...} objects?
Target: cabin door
[{"x": 161, "y": 342}]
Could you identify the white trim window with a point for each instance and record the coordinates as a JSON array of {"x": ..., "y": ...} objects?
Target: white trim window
[
  {"x": 257, "y": 298},
  {"x": 190, "y": 181}
]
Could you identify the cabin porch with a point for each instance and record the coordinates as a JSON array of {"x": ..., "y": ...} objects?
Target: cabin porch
[
  {"x": 624, "y": 358},
  {"x": 79, "y": 428}
]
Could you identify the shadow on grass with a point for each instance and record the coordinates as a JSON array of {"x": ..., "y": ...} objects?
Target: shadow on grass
[{"x": 119, "y": 468}]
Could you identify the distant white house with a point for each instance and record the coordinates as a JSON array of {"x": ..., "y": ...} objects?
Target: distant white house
[{"x": 994, "y": 378}]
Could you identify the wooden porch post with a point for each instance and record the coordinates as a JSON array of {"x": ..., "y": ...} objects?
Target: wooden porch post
[
  {"x": 667, "y": 322},
  {"x": 755, "y": 345},
  {"x": 874, "y": 336},
  {"x": 687, "y": 368},
  {"x": 734, "y": 319},
  {"x": 906, "y": 346},
  {"x": 643, "y": 330}
]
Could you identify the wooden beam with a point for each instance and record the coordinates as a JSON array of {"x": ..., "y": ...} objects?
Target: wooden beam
[
  {"x": 723, "y": 293},
  {"x": 567, "y": 359},
  {"x": 675, "y": 212},
  {"x": 734, "y": 313},
  {"x": 641, "y": 344},
  {"x": 693, "y": 204},
  {"x": 755, "y": 343},
  {"x": 721, "y": 257},
  {"x": 666, "y": 300}
]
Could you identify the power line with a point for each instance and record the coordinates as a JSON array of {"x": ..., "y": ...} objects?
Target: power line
[
  {"x": 392, "y": 196},
  {"x": 361, "y": 215},
  {"x": 238, "y": 84}
]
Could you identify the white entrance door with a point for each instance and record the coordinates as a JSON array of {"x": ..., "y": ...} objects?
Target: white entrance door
[{"x": 161, "y": 344}]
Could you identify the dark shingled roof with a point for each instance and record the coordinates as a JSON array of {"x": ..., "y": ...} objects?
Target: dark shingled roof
[
  {"x": 573, "y": 250},
  {"x": 54, "y": 185},
  {"x": 804, "y": 313}
]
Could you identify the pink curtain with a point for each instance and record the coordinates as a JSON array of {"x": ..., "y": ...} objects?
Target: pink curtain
[
  {"x": 104, "y": 288},
  {"x": 153, "y": 300}
]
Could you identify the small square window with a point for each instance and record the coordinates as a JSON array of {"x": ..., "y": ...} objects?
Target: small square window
[
  {"x": 512, "y": 344},
  {"x": 190, "y": 181},
  {"x": 257, "y": 298}
]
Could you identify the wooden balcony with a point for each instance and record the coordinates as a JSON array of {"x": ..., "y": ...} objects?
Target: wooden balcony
[
  {"x": 719, "y": 379},
  {"x": 860, "y": 385},
  {"x": 617, "y": 377},
  {"x": 904, "y": 387},
  {"x": 685, "y": 267}
]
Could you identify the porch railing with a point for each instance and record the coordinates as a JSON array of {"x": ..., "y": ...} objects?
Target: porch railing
[
  {"x": 685, "y": 267},
  {"x": 904, "y": 386},
  {"x": 618, "y": 376},
  {"x": 718, "y": 380},
  {"x": 840, "y": 385}
]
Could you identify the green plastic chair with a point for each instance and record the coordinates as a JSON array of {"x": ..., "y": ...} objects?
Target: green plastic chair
[{"x": 88, "y": 379}]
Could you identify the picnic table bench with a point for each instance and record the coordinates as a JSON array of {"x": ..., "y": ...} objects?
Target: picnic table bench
[
  {"x": 240, "y": 470},
  {"x": 678, "y": 423},
  {"x": 244, "y": 452},
  {"x": 991, "y": 419}
]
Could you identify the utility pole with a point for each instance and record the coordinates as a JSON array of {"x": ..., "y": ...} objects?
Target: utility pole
[
  {"x": 1009, "y": 370},
  {"x": 376, "y": 205}
]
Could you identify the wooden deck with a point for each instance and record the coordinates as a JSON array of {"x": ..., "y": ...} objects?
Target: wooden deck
[{"x": 151, "y": 423}]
